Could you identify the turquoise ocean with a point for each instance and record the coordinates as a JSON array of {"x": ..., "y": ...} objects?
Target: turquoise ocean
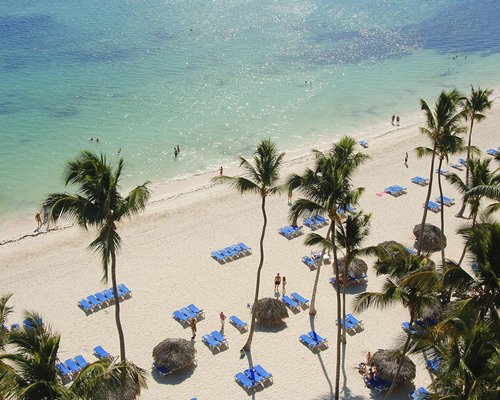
[{"x": 215, "y": 76}]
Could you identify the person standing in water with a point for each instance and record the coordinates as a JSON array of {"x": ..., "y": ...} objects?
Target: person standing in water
[
  {"x": 221, "y": 170},
  {"x": 397, "y": 120},
  {"x": 178, "y": 149},
  {"x": 38, "y": 220},
  {"x": 175, "y": 152},
  {"x": 392, "y": 119}
]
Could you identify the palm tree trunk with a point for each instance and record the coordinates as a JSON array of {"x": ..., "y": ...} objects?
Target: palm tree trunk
[
  {"x": 429, "y": 190},
  {"x": 312, "y": 308},
  {"x": 462, "y": 209},
  {"x": 441, "y": 212},
  {"x": 119, "y": 328},
  {"x": 344, "y": 287},
  {"x": 339, "y": 327},
  {"x": 475, "y": 210},
  {"x": 248, "y": 344}
]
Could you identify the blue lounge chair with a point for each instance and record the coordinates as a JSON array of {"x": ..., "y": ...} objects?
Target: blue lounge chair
[
  {"x": 462, "y": 161},
  {"x": 349, "y": 209},
  {"x": 188, "y": 313},
  {"x": 407, "y": 328},
  {"x": 299, "y": 299},
  {"x": 492, "y": 152},
  {"x": 163, "y": 371},
  {"x": 354, "y": 321},
  {"x": 245, "y": 247},
  {"x": 459, "y": 167},
  {"x": 181, "y": 317},
  {"x": 348, "y": 325},
  {"x": 211, "y": 341},
  {"x": 290, "y": 303},
  {"x": 253, "y": 376},
  {"x": 226, "y": 254},
  {"x": 317, "y": 338},
  {"x": 363, "y": 143},
  {"x": 321, "y": 219},
  {"x": 231, "y": 251},
  {"x": 309, "y": 342},
  {"x": 309, "y": 262},
  {"x": 442, "y": 172},
  {"x": 99, "y": 352},
  {"x": 82, "y": 363},
  {"x": 310, "y": 222},
  {"x": 72, "y": 366},
  {"x": 108, "y": 294},
  {"x": 238, "y": 323},
  {"x": 124, "y": 290},
  {"x": 195, "y": 310},
  {"x": 85, "y": 305},
  {"x": 219, "y": 337},
  {"x": 411, "y": 251},
  {"x": 63, "y": 370},
  {"x": 395, "y": 190},
  {"x": 433, "y": 364},
  {"x": 420, "y": 181},
  {"x": 99, "y": 296},
  {"x": 15, "y": 327},
  {"x": 93, "y": 301},
  {"x": 378, "y": 384},
  {"x": 244, "y": 381},
  {"x": 262, "y": 372},
  {"x": 435, "y": 207},
  {"x": 218, "y": 256},
  {"x": 445, "y": 201},
  {"x": 418, "y": 394}
]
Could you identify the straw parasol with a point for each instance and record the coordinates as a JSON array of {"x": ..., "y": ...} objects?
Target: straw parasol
[
  {"x": 174, "y": 354},
  {"x": 387, "y": 361},
  {"x": 431, "y": 238},
  {"x": 388, "y": 246},
  {"x": 270, "y": 312},
  {"x": 357, "y": 267}
]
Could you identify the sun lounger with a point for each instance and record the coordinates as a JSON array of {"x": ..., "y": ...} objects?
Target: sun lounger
[
  {"x": 377, "y": 384},
  {"x": 445, "y": 201},
  {"x": 63, "y": 370},
  {"x": 321, "y": 219},
  {"x": 299, "y": 299},
  {"x": 195, "y": 310},
  {"x": 348, "y": 325},
  {"x": 99, "y": 296},
  {"x": 442, "y": 172},
  {"x": 219, "y": 337},
  {"x": 85, "y": 305},
  {"x": 407, "y": 328},
  {"x": 211, "y": 341},
  {"x": 363, "y": 143},
  {"x": 72, "y": 366},
  {"x": 242, "y": 379},
  {"x": 433, "y": 364},
  {"x": 218, "y": 256},
  {"x": 492, "y": 152},
  {"x": 411, "y": 251},
  {"x": 93, "y": 301},
  {"x": 309, "y": 262},
  {"x": 317, "y": 338},
  {"x": 181, "y": 317},
  {"x": 245, "y": 247},
  {"x": 435, "y": 207},
  {"x": 99, "y": 352},
  {"x": 108, "y": 294},
  {"x": 310, "y": 222},
  {"x": 349, "y": 209},
  {"x": 15, "y": 327},
  {"x": 226, "y": 254},
  {"x": 395, "y": 190},
  {"x": 188, "y": 313},
  {"x": 354, "y": 321},
  {"x": 231, "y": 251},
  {"x": 163, "y": 371},
  {"x": 290, "y": 231},
  {"x": 418, "y": 394},
  {"x": 82, "y": 363},
  {"x": 462, "y": 161},
  {"x": 309, "y": 342},
  {"x": 420, "y": 181},
  {"x": 459, "y": 167},
  {"x": 253, "y": 376},
  {"x": 238, "y": 323},
  {"x": 262, "y": 372},
  {"x": 290, "y": 303}
]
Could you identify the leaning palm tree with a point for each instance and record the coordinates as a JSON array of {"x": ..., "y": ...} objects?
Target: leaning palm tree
[
  {"x": 474, "y": 107},
  {"x": 443, "y": 118},
  {"x": 447, "y": 143},
  {"x": 262, "y": 180},
  {"x": 99, "y": 203}
]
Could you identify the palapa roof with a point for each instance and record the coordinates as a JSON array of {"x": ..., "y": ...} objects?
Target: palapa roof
[
  {"x": 431, "y": 239},
  {"x": 174, "y": 354},
  {"x": 357, "y": 267},
  {"x": 269, "y": 309},
  {"x": 387, "y": 361}
]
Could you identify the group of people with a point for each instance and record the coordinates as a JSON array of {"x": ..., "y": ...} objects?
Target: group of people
[
  {"x": 395, "y": 119},
  {"x": 368, "y": 374},
  {"x": 193, "y": 326},
  {"x": 177, "y": 150},
  {"x": 278, "y": 280}
]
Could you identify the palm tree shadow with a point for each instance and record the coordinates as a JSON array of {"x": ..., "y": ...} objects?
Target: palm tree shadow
[
  {"x": 173, "y": 379},
  {"x": 321, "y": 362},
  {"x": 270, "y": 329}
]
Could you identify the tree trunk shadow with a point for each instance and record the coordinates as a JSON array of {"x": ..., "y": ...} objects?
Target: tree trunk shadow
[{"x": 321, "y": 362}]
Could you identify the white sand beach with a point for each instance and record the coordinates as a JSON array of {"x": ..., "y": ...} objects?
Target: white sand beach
[{"x": 165, "y": 260}]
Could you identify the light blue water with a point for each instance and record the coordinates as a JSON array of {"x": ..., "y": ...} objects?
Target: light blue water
[{"x": 216, "y": 76}]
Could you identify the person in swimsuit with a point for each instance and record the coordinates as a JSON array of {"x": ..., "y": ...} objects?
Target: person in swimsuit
[
  {"x": 284, "y": 285},
  {"x": 277, "y": 282}
]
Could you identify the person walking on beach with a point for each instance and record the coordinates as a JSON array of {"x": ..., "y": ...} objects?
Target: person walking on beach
[
  {"x": 193, "y": 328},
  {"x": 392, "y": 120},
  {"x": 284, "y": 285},
  {"x": 221, "y": 170},
  {"x": 397, "y": 120},
  {"x": 406, "y": 160},
  {"x": 38, "y": 220},
  {"x": 290, "y": 197},
  {"x": 277, "y": 282},
  {"x": 222, "y": 320}
]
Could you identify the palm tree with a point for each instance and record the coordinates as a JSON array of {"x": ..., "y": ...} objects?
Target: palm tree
[
  {"x": 443, "y": 118},
  {"x": 326, "y": 188},
  {"x": 448, "y": 143},
  {"x": 409, "y": 282},
  {"x": 350, "y": 235},
  {"x": 5, "y": 311},
  {"x": 262, "y": 180},
  {"x": 99, "y": 203},
  {"x": 489, "y": 190},
  {"x": 474, "y": 107}
]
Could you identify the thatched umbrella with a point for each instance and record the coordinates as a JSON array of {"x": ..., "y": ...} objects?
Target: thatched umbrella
[
  {"x": 431, "y": 239},
  {"x": 270, "y": 312},
  {"x": 174, "y": 354},
  {"x": 388, "y": 246},
  {"x": 387, "y": 361},
  {"x": 357, "y": 267}
]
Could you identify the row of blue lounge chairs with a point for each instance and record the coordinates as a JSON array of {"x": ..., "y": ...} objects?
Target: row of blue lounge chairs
[
  {"x": 253, "y": 377},
  {"x": 313, "y": 340},
  {"x": 315, "y": 221},
  {"x": 71, "y": 367},
  {"x": 395, "y": 190},
  {"x": 27, "y": 324},
  {"x": 186, "y": 314},
  {"x": 232, "y": 252},
  {"x": 215, "y": 340},
  {"x": 493, "y": 152},
  {"x": 418, "y": 324},
  {"x": 433, "y": 364},
  {"x": 419, "y": 394},
  {"x": 290, "y": 231},
  {"x": 96, "y": 301},
  {"x": 352, "y": 324},
  {"x": 296, "y": 302},
  {"x": 440, "y": 201}
]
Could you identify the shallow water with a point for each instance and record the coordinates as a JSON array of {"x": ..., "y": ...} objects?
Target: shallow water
[{"x": 216, "y": 76}]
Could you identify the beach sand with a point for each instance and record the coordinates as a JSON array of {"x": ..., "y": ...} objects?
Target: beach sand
[{"x": 165, "y": 260}]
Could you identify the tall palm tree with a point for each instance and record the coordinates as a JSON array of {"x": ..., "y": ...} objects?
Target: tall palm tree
[
  {"x": 443, "y": 118},
  {"x": 474, "y": 107},
  {"x": 326, "y": 188},
  {"x": 99, "y": 203},
  {"x": 448, "y": 143},
  {"x": 488, "y": 190},
  {"x": 5, "y": 311},
  {"x": 408, "y": 282},
  {"x": 262, "y": 179},
  {"x": 350, "y": 236}
]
